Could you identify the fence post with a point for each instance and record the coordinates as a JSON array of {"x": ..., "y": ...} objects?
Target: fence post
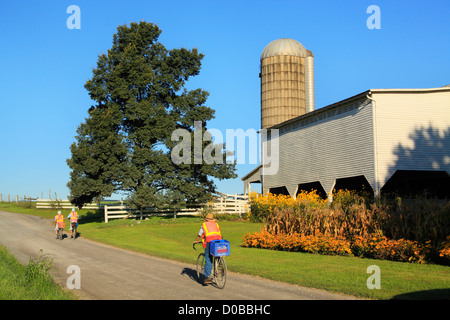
[{"x": 106, "y": 213}]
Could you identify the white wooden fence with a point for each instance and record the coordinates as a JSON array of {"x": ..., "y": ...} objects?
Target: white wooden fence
[
  {"x": 222, "y": 204},
  {"x": 62, "y": 204},
  {"x": 122, "y": 211},
  {"x": 231, "y": 204}
]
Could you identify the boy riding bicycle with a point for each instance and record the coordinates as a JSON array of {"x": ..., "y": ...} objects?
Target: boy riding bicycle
[
  {"x": 59, "y": 221},
  {"x": 73, "y": 216},
  {"x": 208, "y": 232}
]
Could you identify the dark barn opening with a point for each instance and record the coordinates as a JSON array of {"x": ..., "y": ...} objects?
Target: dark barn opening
[
  {"x": 317, "y": 186},
  {"x": 357, "y": 183},
  {"x": 413, "y": 183},
  {"x": 279, "y": 190}
]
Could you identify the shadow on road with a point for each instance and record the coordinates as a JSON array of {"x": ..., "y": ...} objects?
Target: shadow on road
[{"x": 192, "y": 274}]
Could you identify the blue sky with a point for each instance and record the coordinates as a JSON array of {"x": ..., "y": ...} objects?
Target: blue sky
[{"x": 44, "y": 65}]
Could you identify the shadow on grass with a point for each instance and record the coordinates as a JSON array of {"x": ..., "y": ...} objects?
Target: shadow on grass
[
  {"x": 92, "y": 216},
  {"x": 435, "y": 294}
]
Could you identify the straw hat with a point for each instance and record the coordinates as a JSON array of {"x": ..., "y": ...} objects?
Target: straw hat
[{"x": 210, "y": 217}]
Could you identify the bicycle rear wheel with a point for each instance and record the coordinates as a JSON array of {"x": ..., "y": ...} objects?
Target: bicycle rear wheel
[
  {"x": 74, "y": 231},
  {"x": 220, "y": 272},
  {"x": 200, "y": 265}
]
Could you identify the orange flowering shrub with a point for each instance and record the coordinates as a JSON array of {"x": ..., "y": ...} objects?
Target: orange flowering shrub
[
  {"x": 376, "y": 247},
  {"x": 318, "y": 243},
  {"x": 444, "y": 251},
  {"x": 380, "y": 247}
]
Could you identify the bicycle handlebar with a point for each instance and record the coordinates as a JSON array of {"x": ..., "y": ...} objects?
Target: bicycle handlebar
[{"x": 193, "y": 245}]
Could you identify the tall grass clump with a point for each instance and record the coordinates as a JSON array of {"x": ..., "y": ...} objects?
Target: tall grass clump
[
  {"x": 28, "y": 282},
  {"x": 419, "y": 219},
  {"x": 38, "y": 268}
]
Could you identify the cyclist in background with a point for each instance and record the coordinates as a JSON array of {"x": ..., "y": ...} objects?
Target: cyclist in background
[
  {"x": 59, "y": 221},
  {"x": 73, "y": 216},
  {"x": 208, "y": 231}
]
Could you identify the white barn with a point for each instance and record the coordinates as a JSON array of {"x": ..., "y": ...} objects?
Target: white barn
[{"x": 382, "y": 140}]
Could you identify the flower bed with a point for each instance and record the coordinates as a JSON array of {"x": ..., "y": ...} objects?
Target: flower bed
[
  {"x": 376, "y": 247},
  {"x": 444, "y": 252},
  {"x": 411, "y": 230},
  {"x": 296, "y": 242},
  {"x": 380, "y": 247}
]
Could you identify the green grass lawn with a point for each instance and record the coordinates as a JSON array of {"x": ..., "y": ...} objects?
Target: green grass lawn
[
  {"x": 172, "y": 238},
  {"x": 19, "y": 282},
  {"x": 333, "y": 273}
]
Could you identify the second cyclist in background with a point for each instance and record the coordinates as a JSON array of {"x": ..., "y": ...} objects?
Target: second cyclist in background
[
  {"x": 73, "y": 216},
  {"x": 59, "y": 223}
]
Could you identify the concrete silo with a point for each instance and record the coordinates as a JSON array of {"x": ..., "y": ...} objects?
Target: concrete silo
[{"x": 287, "y": 81}]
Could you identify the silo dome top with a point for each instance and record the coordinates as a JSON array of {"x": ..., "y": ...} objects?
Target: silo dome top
[{"x": 284, "y": 47}]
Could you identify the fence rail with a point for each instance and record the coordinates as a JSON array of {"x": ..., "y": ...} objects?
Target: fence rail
[
  {"x": 62, "y": 204},
  {"x": 122, "y": 211},
  {"x": 232, "y": 204},
  {"x": 223, "y": 204},
  {"x": 16, "y": 199}
]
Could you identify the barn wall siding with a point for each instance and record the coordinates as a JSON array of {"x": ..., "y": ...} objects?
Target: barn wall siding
[
  {"x": 412, "y": 132},
  {"x": 337, "y": 143},
  {"x": 372, "y": 134}
]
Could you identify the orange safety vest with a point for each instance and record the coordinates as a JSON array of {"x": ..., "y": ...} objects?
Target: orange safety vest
[
  {"x": 73, "y": 217},
  {"x": 211, "y": 231},
  {"x": 60, "y": 221}
]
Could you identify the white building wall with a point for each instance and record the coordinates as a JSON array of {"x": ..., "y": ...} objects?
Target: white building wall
[
  {"x": 324, "y": 146},
  {"x": 412, "y": 130}
]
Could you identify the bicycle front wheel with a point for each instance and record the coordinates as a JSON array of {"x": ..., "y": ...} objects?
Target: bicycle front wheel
[
  {"x": 220, "y": 272},
  {"x": 200, "y": 265}
]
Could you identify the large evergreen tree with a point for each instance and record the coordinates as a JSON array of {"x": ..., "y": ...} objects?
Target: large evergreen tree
[{"x": 140, "y": 98}]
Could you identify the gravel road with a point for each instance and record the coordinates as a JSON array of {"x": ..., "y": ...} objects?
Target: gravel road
[{"x": 108, "y": 273}]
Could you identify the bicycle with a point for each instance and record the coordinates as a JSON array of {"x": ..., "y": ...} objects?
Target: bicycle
[
  {"x": 60, "y": 232},
  {"x": 74, "y": 229},
  {"x": 218, "y": 271}
]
